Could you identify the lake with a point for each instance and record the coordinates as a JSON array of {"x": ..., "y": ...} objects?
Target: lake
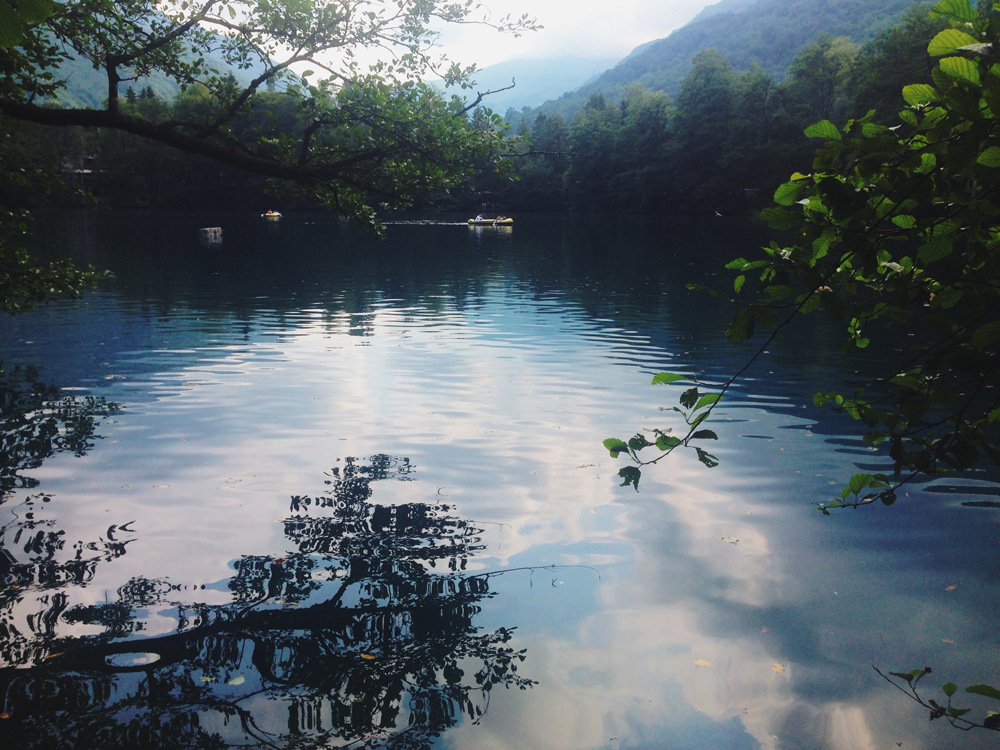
[{"x": 305, "y": 490}]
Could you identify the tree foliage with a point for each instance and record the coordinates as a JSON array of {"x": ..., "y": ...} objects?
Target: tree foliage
[
  {"x": 368, "y": 620},
  {"x": 895, "y": 231},
  {"x": 354, "y": 127},
  {"x": 360, "y": 135},
  {"x": 899, "y": 228}
]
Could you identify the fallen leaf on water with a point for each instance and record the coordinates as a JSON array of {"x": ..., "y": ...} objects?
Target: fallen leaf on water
[
  {"x": 765, "y": 630},
  {"x": 53, "y": 656},
  {"x": 238, "y": 680},
  {"x": 947, "y": 640},
  {"x": 367, "y": 656},
  {"x": 592, "y": 510},
  {"x": 777, "y": 668},
  {"x": 702, "y": 663},
  {"x": 951, "y": 588},
  {"x": 207, "y": 679},
  {"x": 4, "y": 716}
]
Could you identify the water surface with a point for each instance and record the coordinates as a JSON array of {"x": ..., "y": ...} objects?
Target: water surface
[{"x": 303, "y": 490}]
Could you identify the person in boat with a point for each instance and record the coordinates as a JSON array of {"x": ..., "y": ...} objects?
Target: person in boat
[{"x": 479, "y": 217}]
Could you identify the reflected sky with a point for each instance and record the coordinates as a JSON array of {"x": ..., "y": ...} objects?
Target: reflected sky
[{"x": 713, "y": 608}]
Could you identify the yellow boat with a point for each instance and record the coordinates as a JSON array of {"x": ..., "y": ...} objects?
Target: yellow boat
[
  {"x": 272, "y": 215},
  {"x": 490, "y": 222}
]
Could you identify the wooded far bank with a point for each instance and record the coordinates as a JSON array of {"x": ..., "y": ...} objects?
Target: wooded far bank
[{"x": 724, "y": 144}]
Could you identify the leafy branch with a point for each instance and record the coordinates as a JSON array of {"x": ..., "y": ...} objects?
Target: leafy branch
[
  {"x": 695, "y": 407},
  {"x": 952, "y": 714}
]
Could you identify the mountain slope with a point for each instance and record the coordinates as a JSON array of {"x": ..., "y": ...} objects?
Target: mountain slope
[
  {"x": 537, "y": 79},
  {"x": 768, "y": 33},
  {"x": 87, "y": 86}
]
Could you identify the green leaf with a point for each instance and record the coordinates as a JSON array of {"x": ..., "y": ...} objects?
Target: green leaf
[
  {"x": 630, "y": 476},
  {"x": 920, "y": 93},
  {"x": 987, "y": 690},
  {"x": 738, "y": 283},
  {"x": 958, "y": 711},
  {"x": 902, "y": 675},
  {"x": 990, "y": 157},
  {"x": 904, "y": 221},
  {"x": 788, "y": 193},
  {"x": 950, "y": 688},
  {"x": 689, "y": 398},
  {"x": 948, "y": 41},
  {"x": 778, "y": 218},
  {"x": 11, "y": 26},
  {"x": 666, "y": 442},
  {"x": 959, "y": 67},
  {"x": 615, "y": 446},
  {"x": 824, "y": 129},
  {"x": 707, "y": 400},
  {"x": 986, "y": 334},
  {"x": 707, "y": 458},
  {"x": 765, "y": 317},
  {"x": 35, "y": 11},
  {"x": 824, "y": 398},
  {"x": 936, "y": 249},
  {"x": 638, "y": 443},
  {"x": 667, "y": 377},
  {"x": 960, "y": 9},
  {"x": 919, "y": 673},
  {"x": 741, "y": 328},
  {"x": 870, "y": 129},
  {"x": 704, "y": 435},
  {"x": 859, "y": 481}
]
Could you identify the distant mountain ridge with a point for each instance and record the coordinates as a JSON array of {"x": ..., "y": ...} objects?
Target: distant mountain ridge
[
  {"x": 87, "y": 86},
  {"x": 723, "y": 6},
  {"x": 537, "y": 79},
  {"x": 766, "y": 32}
]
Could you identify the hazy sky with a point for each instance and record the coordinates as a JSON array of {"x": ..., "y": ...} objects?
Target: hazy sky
[{"x": 592, "y": 28}]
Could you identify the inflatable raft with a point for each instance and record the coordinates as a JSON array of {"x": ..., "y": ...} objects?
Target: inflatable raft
[{"x": 490, "y": 223}]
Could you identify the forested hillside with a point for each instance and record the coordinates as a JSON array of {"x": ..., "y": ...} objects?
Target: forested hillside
[
  {"x": 537, "y": 80},
  {"x": 88, "y": 86},
  {"x": 769, "y": 33},
  {"x": 726, "y": 141}
]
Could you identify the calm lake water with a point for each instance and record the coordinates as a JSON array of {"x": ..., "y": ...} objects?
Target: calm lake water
[{"x": 305, "y": 490}]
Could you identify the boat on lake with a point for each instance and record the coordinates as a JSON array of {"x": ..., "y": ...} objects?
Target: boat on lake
[
  {"x": 491, "y": 222},
  {"x": 272, "y": 215}
]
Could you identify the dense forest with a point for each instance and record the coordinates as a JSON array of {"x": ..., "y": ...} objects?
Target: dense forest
[
  {"x": 767, "y": 32},
  {"x": 723, "y": 144},
  {"x": 115, "y": 169}
]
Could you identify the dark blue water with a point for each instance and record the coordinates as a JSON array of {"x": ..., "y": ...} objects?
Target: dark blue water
[{"x": 304, "y": 490}]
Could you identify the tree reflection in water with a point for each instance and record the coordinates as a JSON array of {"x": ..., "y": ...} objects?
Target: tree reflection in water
[
  {"x": 362, "y": 637},
  {"x": 37, "y": 421}
]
